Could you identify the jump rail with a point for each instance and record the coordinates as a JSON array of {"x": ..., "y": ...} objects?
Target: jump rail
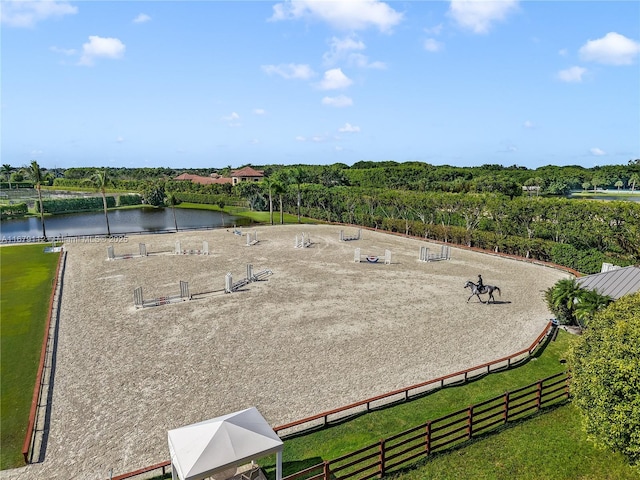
[{"x": 28, "y": 438}]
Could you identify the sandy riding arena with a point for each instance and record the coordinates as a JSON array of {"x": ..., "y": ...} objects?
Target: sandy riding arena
[{"x": 322, "y": 331}]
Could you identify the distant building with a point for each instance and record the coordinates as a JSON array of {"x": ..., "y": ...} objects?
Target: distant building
[{"x": 246, "y": 174}]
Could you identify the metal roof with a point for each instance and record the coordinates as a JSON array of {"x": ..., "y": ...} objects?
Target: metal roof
[{"x": 614, "y": 283}]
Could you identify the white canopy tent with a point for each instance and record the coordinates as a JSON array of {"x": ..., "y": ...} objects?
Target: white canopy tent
[{"x": 203, "y": 449}]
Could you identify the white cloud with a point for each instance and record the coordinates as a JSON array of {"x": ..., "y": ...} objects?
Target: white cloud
[
  {"x": 142, "y": 18},
  {"x": 119, "y": 139},
  {"x": 254, "y": 141},
  {"x": 528, "y": 124},
  {"x": 348, "y": 128},
  {"x": 597, "y": 152},
  {"x": 290, "y": 71},
  {"x": 259, "y": 111},
  {"x": 300, "y": 138},
  {"x": 563, "y": 52},
  {"x": 64, "y": 51},
  {"x": 437, "y": 30},
  {"x": 232, "y": 117},
  {"x": 345, "y": 15},
  {"x": 334, "y": 79},
  {"x": 612, "y": 49},
  {"x": 432, "y": 45},
  {"x": 572, "y": 74},
  {"x": 340, "y": 48},
  {"x": 28, "y": 13},
  {"x": 479, "y": 15},
  {"x": 101, "y": 47},
  {"x": 339, "y": 102}
]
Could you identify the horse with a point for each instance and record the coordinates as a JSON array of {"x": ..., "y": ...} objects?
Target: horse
[{"x": 485, "y": 289}]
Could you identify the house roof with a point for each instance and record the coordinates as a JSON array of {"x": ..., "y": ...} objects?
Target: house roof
[
  {"x": 614, "y": 283},
  {"x": 247, "y": 172}
]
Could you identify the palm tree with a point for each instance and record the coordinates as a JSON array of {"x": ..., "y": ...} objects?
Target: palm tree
[
  {"x": 100, "y": 180},
  {"x": 297, "y": 176},
  {"x": 565, "y": 295},
  {"x": 633, "y": 179},
  {"x": 36, "y": 175},
  {"x": 588, "y": 303},
  {"x": 269, "y": 184},
  {"x": 6, "y": 170},
  {"x": 173, "y": 201}
]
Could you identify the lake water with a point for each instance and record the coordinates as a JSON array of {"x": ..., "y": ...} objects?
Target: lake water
[{"x": 138, "y": 220}]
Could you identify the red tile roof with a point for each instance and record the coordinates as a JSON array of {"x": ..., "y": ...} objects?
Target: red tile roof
[{"x": 247, "y": 172}]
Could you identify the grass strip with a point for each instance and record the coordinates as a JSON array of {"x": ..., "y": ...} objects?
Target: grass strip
[
  {"x": 550, "y": 445},
  {"x": 26, "y": 283}
]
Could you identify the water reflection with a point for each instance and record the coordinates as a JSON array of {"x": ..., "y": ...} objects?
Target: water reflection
[{"x": 138, "y": 220}]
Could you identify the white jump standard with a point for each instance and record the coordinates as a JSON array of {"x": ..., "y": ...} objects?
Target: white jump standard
[
  {"x": 140, "y": 302},
  {"x": 304, "y": 241},
  {"x": 230, "y": 286},
  {"x": 252, "y": 239},
  {"x": 204, "y": 251},
  {"x": 357, "y": 257},
  {"x": 445, "y": 254},
  {"x": 112, "y": 256}
]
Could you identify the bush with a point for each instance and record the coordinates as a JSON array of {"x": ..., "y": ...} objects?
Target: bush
[
  {"x": 15, "y": 210},
  {"x": 124, "y": 200},
  {"x": 74, "y": 204},
  {"x": 606, "y": 377}
]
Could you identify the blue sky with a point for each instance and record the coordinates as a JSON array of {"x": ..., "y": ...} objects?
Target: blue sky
[{"x": 220, "y": 83}]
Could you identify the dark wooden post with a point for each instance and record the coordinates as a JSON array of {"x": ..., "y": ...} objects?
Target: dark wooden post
[
  {"x": 505, "y": 407},
  {"x": 326, "y": 472},
  {"x": 428, "y": 438},
  {"x": 539, "y": 395},
  {"x": 470, "y": 422},
  {"x": 381, "y": 468}
]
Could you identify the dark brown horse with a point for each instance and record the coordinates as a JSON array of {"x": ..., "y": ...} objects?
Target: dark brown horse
[{"x": 482, "y": 290}]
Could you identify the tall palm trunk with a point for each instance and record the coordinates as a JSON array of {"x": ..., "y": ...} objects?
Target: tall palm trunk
[
  {"x": 44, "y": 232},
  {"x": 281, "y": 210},
  {"x": 270, "y": 207},
  {"x": 175, "y": 221},
  {"x": 106, "y": 216}
]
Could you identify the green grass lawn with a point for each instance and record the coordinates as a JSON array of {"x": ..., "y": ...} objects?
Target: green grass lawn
[
  {"x": 549, "y": 446},
  {"x": 330, "y": 443},
  {"x": 27, "y": 273}
]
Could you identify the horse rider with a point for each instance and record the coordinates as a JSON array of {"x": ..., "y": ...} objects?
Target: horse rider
[{"x": 480, "y": 283}]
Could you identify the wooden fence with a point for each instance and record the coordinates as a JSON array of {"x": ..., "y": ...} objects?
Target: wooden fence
[
  {"x": 404, "y": 394},
  {"x": 400, "y": 451}
]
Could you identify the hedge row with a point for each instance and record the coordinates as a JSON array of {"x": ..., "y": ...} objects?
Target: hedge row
[
  {"x": 209, "y": 199},
  {"x": 68, "y": 205},
  {"x": 129, "y": 200},
  {"x": 15, "y": 210}
]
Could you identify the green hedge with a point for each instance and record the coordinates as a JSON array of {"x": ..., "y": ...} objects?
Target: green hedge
[
  {"x": 124, "y": 200},
  {"x": 14, "y": 185},
  {"x": 68, "y": 205},
  {"x": 209, "y": 199},
  {"x": 15, "y": 210}
]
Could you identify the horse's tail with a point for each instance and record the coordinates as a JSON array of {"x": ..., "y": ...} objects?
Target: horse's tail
[{"x": 499, "y": 294}]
